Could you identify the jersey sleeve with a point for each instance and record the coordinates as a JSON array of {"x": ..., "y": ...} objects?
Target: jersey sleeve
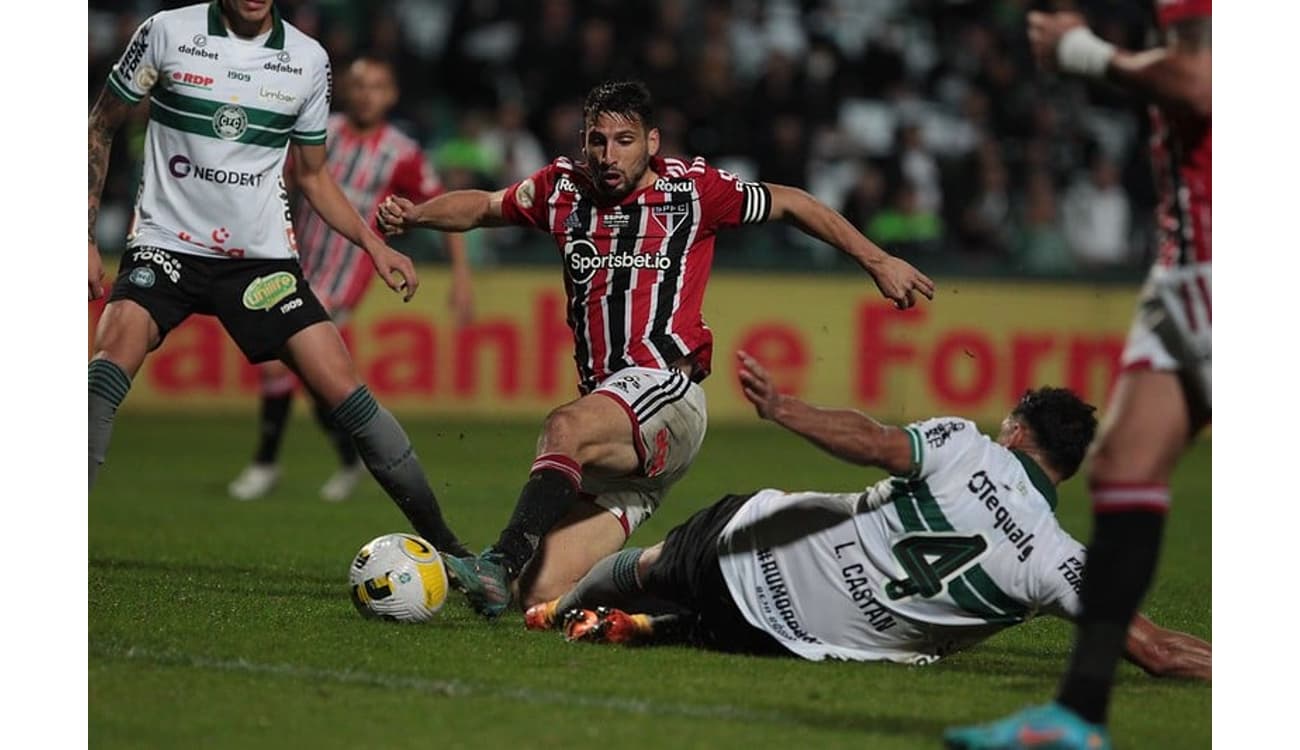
[
  {"x": 938, "y": 442},
  {"x": 136, "y": 71},
  {"x": 728, "y": 201},
  {"x": 525, "y": 201},
  {"x": 1056, "y": 586},
  {"x": 309, "y": 129}
]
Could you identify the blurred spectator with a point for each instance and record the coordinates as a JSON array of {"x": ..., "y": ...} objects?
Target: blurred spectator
[
  {"x": 1095, "y": 212},
  {"x": 919, "y": 168},
  {"x": 1040, "y": 245},
  {"x": 865, "y": 199},
  {"x": 906, "y": 227},
  {"x": 512, "y": 150}
]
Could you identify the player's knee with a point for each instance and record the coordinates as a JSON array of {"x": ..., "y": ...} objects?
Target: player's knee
[
  {"x": 647, "y": 560},
  {"x": 562, "y": 433}
]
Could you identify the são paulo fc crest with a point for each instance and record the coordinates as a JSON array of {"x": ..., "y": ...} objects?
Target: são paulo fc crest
[
  {"x": 230, "y": 121},
  {"x": 142, "y": 277}
]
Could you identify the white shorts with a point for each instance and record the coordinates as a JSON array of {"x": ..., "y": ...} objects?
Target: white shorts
[
  {"x": 1171, "y": 331},
  {"x": 669, "y": 417}
]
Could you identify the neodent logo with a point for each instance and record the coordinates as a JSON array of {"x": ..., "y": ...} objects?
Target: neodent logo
[{"x": 181, "y": 167}]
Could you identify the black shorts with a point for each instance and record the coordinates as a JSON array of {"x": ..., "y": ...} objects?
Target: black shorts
[
  {"x": 689, "y": 574},
  {"x": 260, "y": 303}
]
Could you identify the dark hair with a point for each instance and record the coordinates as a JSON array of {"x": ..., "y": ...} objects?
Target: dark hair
[
  {"x": 630, "y": 99},
  {"x": 1063, "y": 426}
]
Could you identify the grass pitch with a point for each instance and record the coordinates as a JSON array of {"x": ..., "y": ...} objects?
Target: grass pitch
[{"x": 215, "y": 623}]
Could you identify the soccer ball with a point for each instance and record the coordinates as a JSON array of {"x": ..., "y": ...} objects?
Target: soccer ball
[{"x": 398, "y": 577}]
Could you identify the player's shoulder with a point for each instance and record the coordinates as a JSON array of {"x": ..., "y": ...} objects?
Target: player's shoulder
[
  {"x": 190, "y": 18},
  {"x": 302, "y": 46},
  {"x": 680, "y": 168}
]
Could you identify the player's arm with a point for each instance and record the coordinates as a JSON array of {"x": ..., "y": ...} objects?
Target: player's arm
[
  {"x": 846, "y": 434},
  {"x": 456, "y": 211},
  {"x": 323, "y": 193},
  {"x": 1176, "y": 75},
  {"x": 1167, "y": 653},
  {"x": 106, "y": 117},
  {"x": 897, "y": 280}
]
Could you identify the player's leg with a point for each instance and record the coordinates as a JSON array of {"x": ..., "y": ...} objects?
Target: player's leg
[
  {"x": 154, "y": 291},
  {"x": 588, "y": 535},
  {"x": 627, "y": 442},
  {"x": 270, "y": 312},
  {"x": 591, "y": 433},
  {"x": 277, "y": 384},
  {"x": 1147, "y": 427},
  {"x": 125, "y": 334},
  {"x": 320, "y": 359}
]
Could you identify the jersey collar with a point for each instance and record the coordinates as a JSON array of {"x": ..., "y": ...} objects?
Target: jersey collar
[
  {"x": 217, "y": 27},
  {"x": 1038, "y": 478}
]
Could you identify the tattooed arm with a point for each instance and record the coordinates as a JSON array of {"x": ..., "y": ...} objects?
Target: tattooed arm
[{"x": 106, "y": 117}]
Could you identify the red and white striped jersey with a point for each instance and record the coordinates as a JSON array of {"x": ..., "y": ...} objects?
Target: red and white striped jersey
[
  {"x": 1181, "y": 162},
  {"x": 635, "y": 271},
  {"x": 368, "y": 168}
]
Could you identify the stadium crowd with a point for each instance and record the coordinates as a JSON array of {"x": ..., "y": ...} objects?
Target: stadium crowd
[{"x": 923, "y": 121}]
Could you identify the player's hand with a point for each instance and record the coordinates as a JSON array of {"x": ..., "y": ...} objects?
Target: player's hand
[
  {"x": 95, "y": 272},
  {"x": 899, "y": 282},
  {"x": 461, "y": 300},
  {"x": 757, "y": 386},
  {"x": 397, "y": 271},
  {"x": 1045, "y": 32},
  {"x": 396, "y": 215}
]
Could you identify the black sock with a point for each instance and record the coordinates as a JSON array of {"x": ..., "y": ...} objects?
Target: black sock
[
  {"x": 1121, "y": 563},
  {"x": 108, "y": 385},
  {"x": 550, "y": 491},
  {"x": 341, "y": 440},
  {"x": 387, "y": 453},
  {"x": 271, "y": 424}
]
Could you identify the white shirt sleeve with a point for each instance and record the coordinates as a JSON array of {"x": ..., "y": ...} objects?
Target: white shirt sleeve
[
  {"x": 315, "y": 112},
  {"x": 1058, "y": 582},
  {"x": 938, "y": 442},
  {"x": 136, "y": 70}
]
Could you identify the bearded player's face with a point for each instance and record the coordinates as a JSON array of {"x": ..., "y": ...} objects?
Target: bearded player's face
[{"x": 618, "y": 150}]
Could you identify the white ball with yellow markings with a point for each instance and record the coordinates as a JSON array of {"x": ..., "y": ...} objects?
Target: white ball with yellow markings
[{"x": 398, "y": 577}]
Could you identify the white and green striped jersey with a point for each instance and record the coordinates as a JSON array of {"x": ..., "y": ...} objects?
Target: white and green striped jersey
[
  {"x": 914, "y": 568},
  {"x": 221, "y": 112}
]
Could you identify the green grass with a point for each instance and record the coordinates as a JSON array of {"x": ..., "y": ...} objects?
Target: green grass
[{"x": 222, "y": 624}]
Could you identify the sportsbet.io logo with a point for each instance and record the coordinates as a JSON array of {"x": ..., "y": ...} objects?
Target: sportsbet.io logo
[
  {"x": 230, "y": 122},
  {"x": 583, "y": 261},
  {"x": 265, "y": 291}
]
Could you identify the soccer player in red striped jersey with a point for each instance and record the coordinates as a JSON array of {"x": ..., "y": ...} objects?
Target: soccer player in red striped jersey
[
  {"x": 369, "y": 158},
  {"x": 636, "y": 233},
  {"x": 1162, "y": 398}
]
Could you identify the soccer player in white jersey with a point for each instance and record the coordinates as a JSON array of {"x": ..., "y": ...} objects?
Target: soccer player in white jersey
[
  {"x": 230, "y": 86},
  {"x": 370, "y": 158},
  {"x": 960, "y": 543}
]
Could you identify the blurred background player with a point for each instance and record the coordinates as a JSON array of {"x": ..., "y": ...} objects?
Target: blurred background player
[
  {"x": 967, "y": 520},
  {"x": 636, "y": 232},
  {"x": 370, "y": 158},
  {"x": 1162, "y": 398},
  {"x": 211, "y": 233}
]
